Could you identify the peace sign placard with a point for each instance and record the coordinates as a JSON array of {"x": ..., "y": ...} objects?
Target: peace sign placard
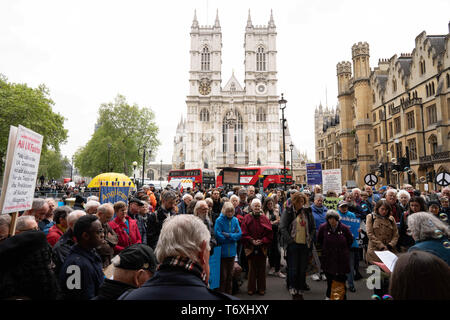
[
  {"x": 371, "y": 179},
  {"x": 443, "y": 179}
]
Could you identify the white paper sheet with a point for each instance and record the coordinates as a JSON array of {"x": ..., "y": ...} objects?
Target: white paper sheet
[{"x": 388, "y": 258}]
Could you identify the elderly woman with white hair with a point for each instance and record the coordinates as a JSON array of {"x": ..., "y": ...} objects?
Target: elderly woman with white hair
[
  {"x": 403, "y": 197},
  {"x": 256, "y": 237},
  {"x": 91, "y": 207},
  {"x": 430, "y": 234},
  {"x": 183, "y": 253}
]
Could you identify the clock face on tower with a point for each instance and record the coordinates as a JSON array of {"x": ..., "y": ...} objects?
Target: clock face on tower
[
  {"x": 260, "y": 88},
  {"x": 205, "y": 87}
]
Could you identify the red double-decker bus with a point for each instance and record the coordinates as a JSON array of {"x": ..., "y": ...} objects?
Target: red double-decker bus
[
  {"x": 273, "y": 177},
  {"x": 202, "y": 177}
]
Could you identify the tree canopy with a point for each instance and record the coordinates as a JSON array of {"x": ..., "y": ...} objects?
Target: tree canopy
[
  {"x": 31, "y": 108},
  {"x": 52, "y": 164},
  {"x": 122, "y": 132}
]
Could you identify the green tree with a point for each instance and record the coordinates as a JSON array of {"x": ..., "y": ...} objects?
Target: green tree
[
  {"x": 126, "y": 128},
  {"x": 31, "y": 108},
  {"x": 52, "y": 164}
]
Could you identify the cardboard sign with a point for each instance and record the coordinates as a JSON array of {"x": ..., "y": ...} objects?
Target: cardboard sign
[
  {"x": 331, "y": 203},
  {"x": 22, "y": 165},
  {"x": 332, "y": 181}
]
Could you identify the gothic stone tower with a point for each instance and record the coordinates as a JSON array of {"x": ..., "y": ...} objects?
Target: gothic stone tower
[
  {"x": 363, "y": 109},
  {"x": 344, "y": 73},
  {"x": 205, "y": 77},
  {"x": 261, "y": 100}
]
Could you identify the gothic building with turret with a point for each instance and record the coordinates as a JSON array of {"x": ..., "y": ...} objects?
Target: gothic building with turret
[{"x": 399, "y": 109}]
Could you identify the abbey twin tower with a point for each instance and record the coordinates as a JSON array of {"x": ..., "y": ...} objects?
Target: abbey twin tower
[{"x": 234, "y": 125}]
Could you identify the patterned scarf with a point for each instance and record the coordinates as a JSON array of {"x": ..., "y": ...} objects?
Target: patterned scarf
[{"x": 184, "y": 263}]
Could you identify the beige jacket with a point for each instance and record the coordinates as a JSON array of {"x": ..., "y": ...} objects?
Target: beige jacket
[{"x": 381, "y": 232}]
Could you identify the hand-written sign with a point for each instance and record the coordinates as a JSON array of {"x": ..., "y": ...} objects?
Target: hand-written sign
[
  {"x": 331, "y": 203},
  {"x": 21, "y": 170},
  {"x": 332, "y": 180}
]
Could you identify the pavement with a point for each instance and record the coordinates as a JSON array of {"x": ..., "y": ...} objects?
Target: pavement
[{"x": 276, "y": 288}]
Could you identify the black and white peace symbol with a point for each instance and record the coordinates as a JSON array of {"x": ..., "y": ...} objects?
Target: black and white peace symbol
[
  {"x": 443, "y": 179},
  {"x": 371, "y": 179}
]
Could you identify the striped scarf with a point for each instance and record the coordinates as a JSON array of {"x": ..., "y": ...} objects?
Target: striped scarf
[{"x": 184, "y": 263}]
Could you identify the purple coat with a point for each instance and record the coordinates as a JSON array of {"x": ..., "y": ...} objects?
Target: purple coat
[{"x": 335, "y": 248}]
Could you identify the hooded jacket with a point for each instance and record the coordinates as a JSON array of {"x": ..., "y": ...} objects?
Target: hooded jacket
[
  {"x": 230, "y": 226},
  {"x": 54, "y": 234}
]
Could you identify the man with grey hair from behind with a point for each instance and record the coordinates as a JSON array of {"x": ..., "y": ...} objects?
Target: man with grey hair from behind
[
  {"x": 430, "y": 234},
  {"x": 5, "y": 222},
  {"x": 183, "y": 253},
  {"x": 26, "y": 223}
]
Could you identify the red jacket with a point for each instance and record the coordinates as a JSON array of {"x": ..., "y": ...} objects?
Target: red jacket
[
  {"x": 256, "y": 228},
  {"x": 125, "y": 240},
  {"x": 54, "y": 233}
]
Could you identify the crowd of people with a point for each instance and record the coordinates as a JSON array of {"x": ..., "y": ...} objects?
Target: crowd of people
[{"x": 161, "y": 241}]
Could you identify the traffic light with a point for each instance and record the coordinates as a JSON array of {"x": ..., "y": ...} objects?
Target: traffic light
[
  {"x": 429, "y": 176},
  {"x": 381, "y": 170},
  {"x": 404, "y": 164}
]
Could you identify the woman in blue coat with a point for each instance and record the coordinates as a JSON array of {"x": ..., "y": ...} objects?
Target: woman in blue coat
[{"x": 227, "y": 233}]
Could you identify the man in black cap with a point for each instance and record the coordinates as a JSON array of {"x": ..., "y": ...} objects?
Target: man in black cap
[
  {"x": 132, "y": 267},
  {"x": 135, "y": 207}
]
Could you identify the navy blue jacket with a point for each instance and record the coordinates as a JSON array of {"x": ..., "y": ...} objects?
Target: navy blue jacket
[
  {"x": 182, "y": 207},
  {"x": 90, "y": 266},
  {"x": 175, "y": 284},
  {"x": 434, "y": 246}
]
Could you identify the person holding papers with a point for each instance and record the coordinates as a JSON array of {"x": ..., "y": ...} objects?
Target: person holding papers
[
  {"x": 383, "y": 235},
  {"x": 381, "y": 230}
]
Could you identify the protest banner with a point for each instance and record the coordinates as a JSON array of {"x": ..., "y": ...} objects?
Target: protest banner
[
  {"x": 113, "y": 192},
  {"x": 332, "y": 180},
  {"x": 22, "y": 165},
  {"x": 331, "y": 203},
  {"x": 314, "y": 173},
  {"x": 354, "y": 224},
  {"x": 214, "y": 267}
]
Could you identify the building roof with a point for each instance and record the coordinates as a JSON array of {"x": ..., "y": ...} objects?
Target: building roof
[
  {"x": 437, "y": 43},
  {"x": 233, "y": 82}
]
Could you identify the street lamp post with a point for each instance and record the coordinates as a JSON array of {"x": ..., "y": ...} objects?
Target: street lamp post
[
  {"x": 291, "y": 147},
  {"x": 282, "y": 102},
  {"x": 134, "y": 173},
  {"x": 71, "y": 171},
  {"x": 144, "y": 149}
]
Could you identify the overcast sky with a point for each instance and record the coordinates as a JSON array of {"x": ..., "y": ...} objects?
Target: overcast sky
[{"x": 86, "y": 52}]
